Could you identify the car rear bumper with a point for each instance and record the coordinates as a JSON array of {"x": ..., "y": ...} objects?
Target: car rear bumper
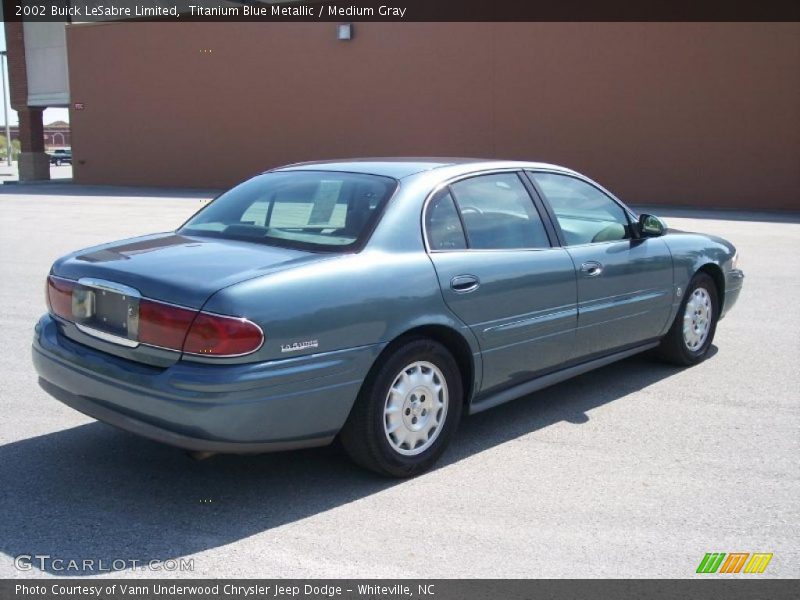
[{"x": 243, "y": 408}]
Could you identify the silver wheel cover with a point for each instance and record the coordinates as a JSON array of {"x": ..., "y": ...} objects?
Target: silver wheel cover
[
  {"x": 415, "y": 408},
  {"x": 697, "y": 319}
]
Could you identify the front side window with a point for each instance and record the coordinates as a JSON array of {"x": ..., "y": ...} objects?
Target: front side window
[
  {"x": 498, "y": 213},
  {"x": 585, "y": 214},
  {"x": 316, "y": 210}
]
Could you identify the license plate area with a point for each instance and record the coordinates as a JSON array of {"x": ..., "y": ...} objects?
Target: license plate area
[{"x": 107, "y": 310}]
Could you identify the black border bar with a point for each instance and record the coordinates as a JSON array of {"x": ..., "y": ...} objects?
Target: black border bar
[
  {"x": 399, "y": 589},
  {"x": 407, "y": 10}
]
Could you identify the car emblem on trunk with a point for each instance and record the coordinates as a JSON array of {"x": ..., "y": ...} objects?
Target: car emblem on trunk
[{"x": 296, "y": 346}]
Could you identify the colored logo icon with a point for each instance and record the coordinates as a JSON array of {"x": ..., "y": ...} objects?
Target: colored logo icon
[{"x": 735, "y": 562}]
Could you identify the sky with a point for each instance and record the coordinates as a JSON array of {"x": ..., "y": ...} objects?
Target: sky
[{"x": 50, "y": 114}]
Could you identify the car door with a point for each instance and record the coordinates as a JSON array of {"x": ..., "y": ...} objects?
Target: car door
[
  {"x": 500, "y": 274},
  {"x": 625, "y": 282}
]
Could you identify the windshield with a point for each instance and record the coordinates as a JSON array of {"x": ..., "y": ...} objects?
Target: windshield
[{"x": 316, "y": 210}]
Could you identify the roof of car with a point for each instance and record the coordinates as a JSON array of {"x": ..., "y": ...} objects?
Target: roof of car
[{"x": 399, "y": 168}]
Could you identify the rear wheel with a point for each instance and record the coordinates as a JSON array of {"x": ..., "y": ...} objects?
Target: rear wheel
[
  {"x": 690, "y": 337},
  {"x": 407, "y": 411}
]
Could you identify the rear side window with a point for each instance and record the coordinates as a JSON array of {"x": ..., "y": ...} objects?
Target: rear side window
[
  {"x": 316, "y": 210},
  {"x": 498, "y": 213},
  {"x": 443, "y": 224}
]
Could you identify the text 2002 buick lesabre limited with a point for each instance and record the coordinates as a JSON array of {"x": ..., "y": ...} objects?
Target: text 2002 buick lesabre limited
[{"x": 376, "y": 300}]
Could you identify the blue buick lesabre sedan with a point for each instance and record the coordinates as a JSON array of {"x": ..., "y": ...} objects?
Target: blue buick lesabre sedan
[{"x": 376, "y": 300}]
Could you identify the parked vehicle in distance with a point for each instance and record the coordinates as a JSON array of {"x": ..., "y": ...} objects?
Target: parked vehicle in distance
[
  {"x": 61, "y": 156},
  {"x": 373, "y": 299}
]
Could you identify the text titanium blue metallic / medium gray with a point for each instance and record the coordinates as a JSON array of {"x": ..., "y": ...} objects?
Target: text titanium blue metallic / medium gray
[{"x": 374, "y": 299}]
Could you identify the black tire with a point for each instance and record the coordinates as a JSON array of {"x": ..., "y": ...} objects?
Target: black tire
[
  {"x": 364, "y": 436},
  {"x": 673, "y": 348},
  {"x": 57, "y": 163}
]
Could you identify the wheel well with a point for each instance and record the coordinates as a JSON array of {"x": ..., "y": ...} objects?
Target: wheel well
[
  {"x": 715, "y": 272},
  {"x": 450, "y": 339}
]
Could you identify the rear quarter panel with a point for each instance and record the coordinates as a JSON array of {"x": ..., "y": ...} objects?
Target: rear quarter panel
[{"x": 350, "y": 301}]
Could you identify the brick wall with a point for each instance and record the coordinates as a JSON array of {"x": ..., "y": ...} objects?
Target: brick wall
[
  {"x": 704, "y": 114},
  {"x": 17, "y": 71}
]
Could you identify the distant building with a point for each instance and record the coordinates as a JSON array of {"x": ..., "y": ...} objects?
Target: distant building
[{"x": 56, "y": 134}]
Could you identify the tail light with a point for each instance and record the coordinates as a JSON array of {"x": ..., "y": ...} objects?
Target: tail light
[
  {"x": 164, "y": 325},
  {"x": 194, "y": 332},
  {"x": 173, "y": 327},
  {"x": 216, "y": 335},
  {"x": 59, "y": 296}
]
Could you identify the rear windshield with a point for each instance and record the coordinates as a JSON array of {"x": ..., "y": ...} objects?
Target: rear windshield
[{"x": 316, "y": 210}]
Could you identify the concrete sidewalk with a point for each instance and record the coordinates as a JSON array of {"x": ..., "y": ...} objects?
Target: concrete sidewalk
[{"x": 10, "y": 174}]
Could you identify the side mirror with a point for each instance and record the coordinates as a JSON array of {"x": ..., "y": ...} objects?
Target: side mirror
[{"x": 651, "y": 226}]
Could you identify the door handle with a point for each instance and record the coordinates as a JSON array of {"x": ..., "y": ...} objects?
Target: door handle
[
  {"x": 591, "y": 268},
  {"x": 464, "y": 283}
]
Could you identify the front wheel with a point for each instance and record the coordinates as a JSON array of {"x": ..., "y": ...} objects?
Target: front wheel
[
  {"x": 690, "y": 337},
  {"x": 407, "y": 411}
]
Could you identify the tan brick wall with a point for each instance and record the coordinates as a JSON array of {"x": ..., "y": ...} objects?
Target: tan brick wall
[
  {"x": 704, "y": 114},
  {"x": 17, "y": 71}
]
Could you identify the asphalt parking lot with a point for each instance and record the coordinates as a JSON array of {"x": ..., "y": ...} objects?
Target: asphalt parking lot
[{"x": 634, "y": 470}]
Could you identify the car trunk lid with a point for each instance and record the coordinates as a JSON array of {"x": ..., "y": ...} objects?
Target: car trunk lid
[
  {"x": 179, "y": 269},
  {"x": 168, "y": 268}
]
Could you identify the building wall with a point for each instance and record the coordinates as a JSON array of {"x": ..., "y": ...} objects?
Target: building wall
[
  {"x": 17, "y": 68},
  {"x": 704, "y": 114}
]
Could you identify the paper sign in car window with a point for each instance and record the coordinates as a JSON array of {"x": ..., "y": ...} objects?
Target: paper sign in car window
[{"x": 325, "y": 201}]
